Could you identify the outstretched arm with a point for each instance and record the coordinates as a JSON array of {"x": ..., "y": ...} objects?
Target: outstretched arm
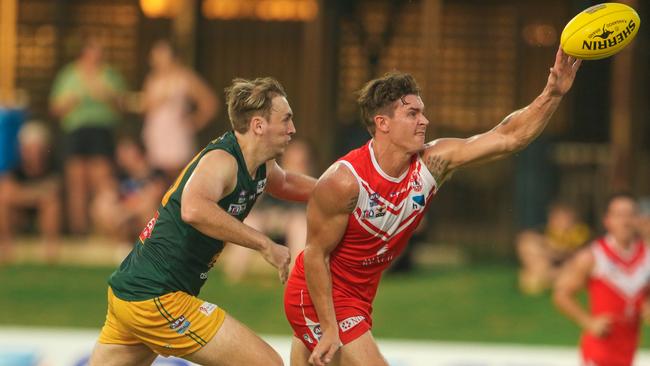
[
  {"x": 334, "y": 197},
  {"x": 572, "y": 279},
  {"x": 288, "y": 185},
  {"x": 215, "y": 177},
  {"x": 515, "y": 132}
]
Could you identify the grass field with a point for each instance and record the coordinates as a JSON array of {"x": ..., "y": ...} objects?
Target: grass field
[{"x": 478, "y": 303}]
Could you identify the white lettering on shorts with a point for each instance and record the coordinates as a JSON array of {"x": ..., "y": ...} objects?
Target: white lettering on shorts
[
  {"x": 351, "y": 322},
  {"x": 207, "y": 308}
]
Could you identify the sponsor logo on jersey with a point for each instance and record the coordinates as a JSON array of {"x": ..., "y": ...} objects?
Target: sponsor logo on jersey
[
  {"x": 383, "y": 249},
  {"x": 385, "y": 257},
  {"x": 416, "y": 182},
  {"x": 351, "y": 322},
  {"x": 236, "y": 209},
  {"x": 418, "y": 201},
  {"x": 242, "y": 197},
  {"x": 307, "y": 338},
  {"x": 180, "y": 325},
  {"x": 261, "y": 185},
  {"x": 394, "y": 194},
  {"x": 148, "y": 229},
  {"x": 372, "y": 212},
  {"x": 374, "y": 200},
  {"x": 207, "y": 308}
]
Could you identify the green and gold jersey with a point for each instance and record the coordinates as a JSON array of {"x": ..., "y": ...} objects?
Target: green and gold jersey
[{"x": 171, "y": 255}]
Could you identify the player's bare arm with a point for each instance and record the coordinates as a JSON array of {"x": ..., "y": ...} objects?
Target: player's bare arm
[
  {"x": 645, "y": 310},
  {"x": 572, "y": 279},
  {"x": 515, "y": 132},
  {"x": 214, "y": 178},
  {"x": 286, "y": 185},
  {"x": 335, "y": 196}
]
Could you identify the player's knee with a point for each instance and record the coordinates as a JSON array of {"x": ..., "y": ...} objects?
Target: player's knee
[
  {"x": 272, "y": 359},
  {"x": 275, "y": 359}
]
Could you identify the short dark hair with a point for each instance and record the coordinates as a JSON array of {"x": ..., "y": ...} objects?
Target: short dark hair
[
  {"x": 378, "y": 95},
  {"x": 249, "y": 98}
]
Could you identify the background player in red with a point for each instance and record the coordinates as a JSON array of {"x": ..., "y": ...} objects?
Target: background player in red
[
  {"x": 366, "y": 206},
  {"x": 616, "y": 271}
]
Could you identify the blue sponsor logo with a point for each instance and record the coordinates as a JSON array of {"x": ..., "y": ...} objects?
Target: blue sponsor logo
[{"x": 419, "y": 200}]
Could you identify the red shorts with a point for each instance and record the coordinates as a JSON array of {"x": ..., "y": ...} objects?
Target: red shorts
[{"x": 353, "y": 322}]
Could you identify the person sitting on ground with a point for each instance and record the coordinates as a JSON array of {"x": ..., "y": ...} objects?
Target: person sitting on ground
[
  {"x": 542, "y": 253},
  {"x": 122, "y": 211},
  {"x": 34, "y": 186}
]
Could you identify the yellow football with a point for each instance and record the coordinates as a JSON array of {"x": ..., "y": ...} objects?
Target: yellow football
[{"x": 600, "y": 31}]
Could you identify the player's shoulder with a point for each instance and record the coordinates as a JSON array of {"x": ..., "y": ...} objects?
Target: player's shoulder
[
  {"x": 584, "y": 258},
  {"x": 339, "y": 178},
  {"x": 218, "y": 159},
  {"x": 336, "y": 187},
  {"x": 358, "y": 155}
]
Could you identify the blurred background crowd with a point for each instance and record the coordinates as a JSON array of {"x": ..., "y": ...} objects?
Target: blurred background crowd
[{"x": 102, "y": 103}]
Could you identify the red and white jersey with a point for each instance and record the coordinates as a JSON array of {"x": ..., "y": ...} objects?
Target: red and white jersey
[
  {"x": 617, "y": 287},
  {"x": 387, "y": 212}
]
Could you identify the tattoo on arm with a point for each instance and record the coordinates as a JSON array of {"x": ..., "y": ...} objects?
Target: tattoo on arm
[
  {"x": 438, "y": 167},
  {"x": 352, "y": 203}
]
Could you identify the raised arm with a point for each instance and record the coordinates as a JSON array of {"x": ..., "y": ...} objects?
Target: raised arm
[
  {"x": 287, "y": 185},
  {"x": 515, "y": 132},
  {"x": 215, "y": 177},
  {"x": 334, "y": 197},
  {"x": 572, "y": 279}
]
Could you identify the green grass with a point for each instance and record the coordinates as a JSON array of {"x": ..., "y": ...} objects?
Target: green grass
[{"x": 470, "y": 304}]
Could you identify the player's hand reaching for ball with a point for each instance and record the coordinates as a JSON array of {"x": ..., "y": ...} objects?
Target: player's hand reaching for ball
[
  {"x": 562, "y": 74},
  {"x": 279, "y": 257},
  {"x": 326, "y": 348}
]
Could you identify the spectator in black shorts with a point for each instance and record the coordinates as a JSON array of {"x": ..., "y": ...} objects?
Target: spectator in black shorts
[
  {"x": 32, "y": 187},
  {"x": 86, "y": 96}
]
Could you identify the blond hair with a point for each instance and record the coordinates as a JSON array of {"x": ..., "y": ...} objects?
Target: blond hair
[{"x": 249, "y": 98}]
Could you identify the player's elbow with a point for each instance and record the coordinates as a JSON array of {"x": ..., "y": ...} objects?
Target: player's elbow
[
  {"x": 559, "y": 298},
  {"x": 313, "y": 255},
  {"x": 189, "y": 213}
]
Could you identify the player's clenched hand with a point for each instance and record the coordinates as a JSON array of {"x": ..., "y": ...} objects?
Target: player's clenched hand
[
  {"x": 562, "y": 74},
  {"x": 279, "y": 257},
  {"x": 326, "y": 348},
  {"x": 599, "y": 326}
]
